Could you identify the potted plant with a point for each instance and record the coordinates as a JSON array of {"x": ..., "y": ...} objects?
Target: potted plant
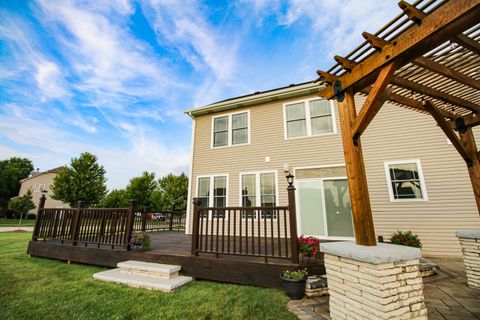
[
  {"x": 406, "y": 239},
  {"x": 309, "y": 247},
  {"x": 294, "y": 283},
  {"x": 140, "y": 241}
]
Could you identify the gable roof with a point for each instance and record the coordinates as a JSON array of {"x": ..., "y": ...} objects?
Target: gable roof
[
  {"x": 35, "y": 174},
  {"x": 290, "y": 91}
]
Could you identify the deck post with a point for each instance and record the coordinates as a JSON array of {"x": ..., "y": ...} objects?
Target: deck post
[
  {"x": 293, "y": 224},
  {"x": 357, "y": 180},
  {"x": 468, "y": 140},
  {"x": 41, "y": 205},
  {"x": 76, "y": 222},
  {"x": 195, "y": 227},
  {"x": 129, "y": 225}
]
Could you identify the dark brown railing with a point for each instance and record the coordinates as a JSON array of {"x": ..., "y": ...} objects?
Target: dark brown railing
[
  {"x": 87, "y": 226},
  {"x": 159, "y": 221},
  {"x": 268, "y": 232}
]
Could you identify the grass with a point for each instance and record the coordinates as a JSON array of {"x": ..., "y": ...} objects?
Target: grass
[
  {"x": 37, "y": 288},
  {"x": 14, "y": 222}
]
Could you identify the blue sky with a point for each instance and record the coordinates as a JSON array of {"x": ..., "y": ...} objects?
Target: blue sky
[{"x": 113, "y": 77}]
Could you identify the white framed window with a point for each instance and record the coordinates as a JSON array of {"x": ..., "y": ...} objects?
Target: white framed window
[
  {"x": 259, "y": 189},
  {"x": 307, "y": 118},
  {"x": 39, "y": 187},
  {"x": 405, "y": 181},
  {"x": 231, "y": 129},
  {"x": 212, "y": 192}
]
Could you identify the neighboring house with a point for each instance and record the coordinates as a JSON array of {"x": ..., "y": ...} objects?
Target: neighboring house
[
  {"x": 38, "y": 182},
  {"x": 242, "y": 148}
]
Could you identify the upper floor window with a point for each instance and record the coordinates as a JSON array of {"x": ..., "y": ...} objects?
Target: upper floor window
[
  {"x": 405, "y": 180},
  {"x": 231, "y": 129},
  {"x": 309, "y": 118}
]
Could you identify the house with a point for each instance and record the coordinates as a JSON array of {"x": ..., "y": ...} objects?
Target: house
[
  {"x": 38, "y": 183},
  {"x": 242, "y": 149}
]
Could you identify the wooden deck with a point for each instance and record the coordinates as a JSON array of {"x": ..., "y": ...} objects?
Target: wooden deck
[{"x": 173, "y": 247}]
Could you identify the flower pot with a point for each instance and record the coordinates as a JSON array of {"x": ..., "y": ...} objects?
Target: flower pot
[{"x": 295, "y": 289}]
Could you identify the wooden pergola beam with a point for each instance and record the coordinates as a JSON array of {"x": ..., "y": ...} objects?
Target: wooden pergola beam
[
  {"x": 472, "y": 120},
  {"x": 447, "y": 72},
  {"x": 443, "y": 124},
  {"x": 434, "y": 93},
  {"x": 446, "y": 22},
  {"x": 467, "y": 43},
  {"x": 377, "y": 96}
]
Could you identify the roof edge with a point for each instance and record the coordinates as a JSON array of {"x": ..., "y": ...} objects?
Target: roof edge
[{"x": 290, "y": 91}]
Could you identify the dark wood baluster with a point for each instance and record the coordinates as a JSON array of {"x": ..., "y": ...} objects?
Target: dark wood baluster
[
  {"x": 200, "y": 233},
  {"x": 285, "y": 232},
  {"x": 253, "y": 234},
  {"x": 228, "y": 232},
  {"x": 278, "y": 234},
  {"x": 272, "y": 250},
  {"x": 256, "y": 214},
  {"x": 265, "y": 233},
  {"x": 235, "y": 229},
  {"x": 211, "y": 231},
  {"x": 207, "y": 224},
  {"x": 217, "y": 235},
  {"x": 240, "y": 229},
  {"x": 246, "y": 233},
  {"x": 224, "y": 213}
]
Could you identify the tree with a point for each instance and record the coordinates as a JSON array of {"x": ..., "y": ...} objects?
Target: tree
[
  {"x": 174, "y": 191},
  {"x": 141, "y": 189},
  {"x": 83, "y": 180},
  {"x": 21, "y": 205},
  {"x": 11, "y": 172},
  {"x": 117, "y": 198}
]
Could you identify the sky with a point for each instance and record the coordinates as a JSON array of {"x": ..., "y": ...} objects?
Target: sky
[{"x": 114, "y": 77}]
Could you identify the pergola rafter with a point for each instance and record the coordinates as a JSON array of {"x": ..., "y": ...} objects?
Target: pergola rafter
[{"x": 426, "y": 59}]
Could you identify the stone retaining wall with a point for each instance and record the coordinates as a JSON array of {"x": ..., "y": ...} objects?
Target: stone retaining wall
[{"x": 470, "y": 242}]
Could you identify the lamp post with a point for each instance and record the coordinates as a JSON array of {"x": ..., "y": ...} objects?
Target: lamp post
[{"x": 292, "y": 218}]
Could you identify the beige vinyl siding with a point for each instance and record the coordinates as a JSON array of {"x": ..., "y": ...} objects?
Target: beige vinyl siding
[
  {"x": 47, "y": 180},
  {"x": 395, "y": 134}
]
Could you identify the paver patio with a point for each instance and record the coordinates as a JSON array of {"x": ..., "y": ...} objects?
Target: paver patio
[{"x": 447, "y": 296}]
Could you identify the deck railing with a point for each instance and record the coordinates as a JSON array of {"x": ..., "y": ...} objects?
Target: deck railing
[
  {"x": 147, "y": 221},
  {"x": 88, "y": 226},
  {"x": 268, "y": 232}
]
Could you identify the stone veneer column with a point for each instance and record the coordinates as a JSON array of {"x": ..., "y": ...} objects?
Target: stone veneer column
[
  {"x": 374, "y": 283},
  {"x": 470, "y": 242}
]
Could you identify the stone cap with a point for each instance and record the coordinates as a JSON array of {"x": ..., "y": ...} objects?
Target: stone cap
[
  {"x": 471, "y": 234},
  {"x": 379, "y": 254}
]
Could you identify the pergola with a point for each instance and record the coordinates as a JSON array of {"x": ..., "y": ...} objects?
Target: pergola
[{"x": 426, "y": 59}]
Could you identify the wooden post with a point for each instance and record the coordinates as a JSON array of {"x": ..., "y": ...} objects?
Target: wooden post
[
  {"x": 293, "y": 224},
  {"x": 38, "y": 220},
  {"x": 76, "y": 222},
  {"x": 129, "y": 224},
  {"x": 195, "y": 227},
  {"x": 468, "y": 140},
  {"x": 357, "y": 180}
]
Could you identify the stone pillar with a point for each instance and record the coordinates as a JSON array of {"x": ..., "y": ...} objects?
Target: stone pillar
[
  {"x": 470, "y": 242},
  {"x": 374, "y": 282}
]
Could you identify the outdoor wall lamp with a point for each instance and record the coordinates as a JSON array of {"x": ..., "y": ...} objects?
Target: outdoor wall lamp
[{"x": 290, "y": 179}]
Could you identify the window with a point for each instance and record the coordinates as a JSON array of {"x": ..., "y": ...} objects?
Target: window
[
  {"x": 231, "y": 129},
  {"x": 259, "y": 190},
  {"x": 309, "y": 118},
  {"x": 213, "y": 190},
  {"x": 405, "y": 180},
  {"x": 39, "y": 187}
]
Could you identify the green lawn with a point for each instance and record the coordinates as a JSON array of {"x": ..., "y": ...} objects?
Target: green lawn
[
  {"x": 14, "y": 222},
  {"x": 36, "y": 288}
]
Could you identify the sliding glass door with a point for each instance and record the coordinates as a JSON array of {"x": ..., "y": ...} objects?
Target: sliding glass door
[{"x": 324, "y": 207}]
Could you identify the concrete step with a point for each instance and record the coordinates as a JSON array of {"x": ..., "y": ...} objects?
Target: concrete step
[
  {"x": 142, "y": 281},
  {"x": 157, "y": 270}
]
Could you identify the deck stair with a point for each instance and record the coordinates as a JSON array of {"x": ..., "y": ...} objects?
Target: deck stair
[{"x": 153, "y": 276}]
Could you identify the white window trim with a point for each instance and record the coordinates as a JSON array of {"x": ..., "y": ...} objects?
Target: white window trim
[
  {"x": 210, "y": 191},
  {"x": 420, "y": 176},
  {"x": 230, "y": 129},
  {"x": 306, "y": 105},
  {"x": 257, "y": 187},
  {"x": 324, "y": 207}
]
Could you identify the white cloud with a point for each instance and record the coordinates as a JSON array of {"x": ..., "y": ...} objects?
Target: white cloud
[{"x": 50, "y": 80}]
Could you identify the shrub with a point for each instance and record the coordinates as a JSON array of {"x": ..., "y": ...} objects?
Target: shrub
[
  {"x": 31, "y": 216},
  {"x": 300, "y": 274},
  {"x": 406, "y": 239},
  {"x": 309, "y": 246}
]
